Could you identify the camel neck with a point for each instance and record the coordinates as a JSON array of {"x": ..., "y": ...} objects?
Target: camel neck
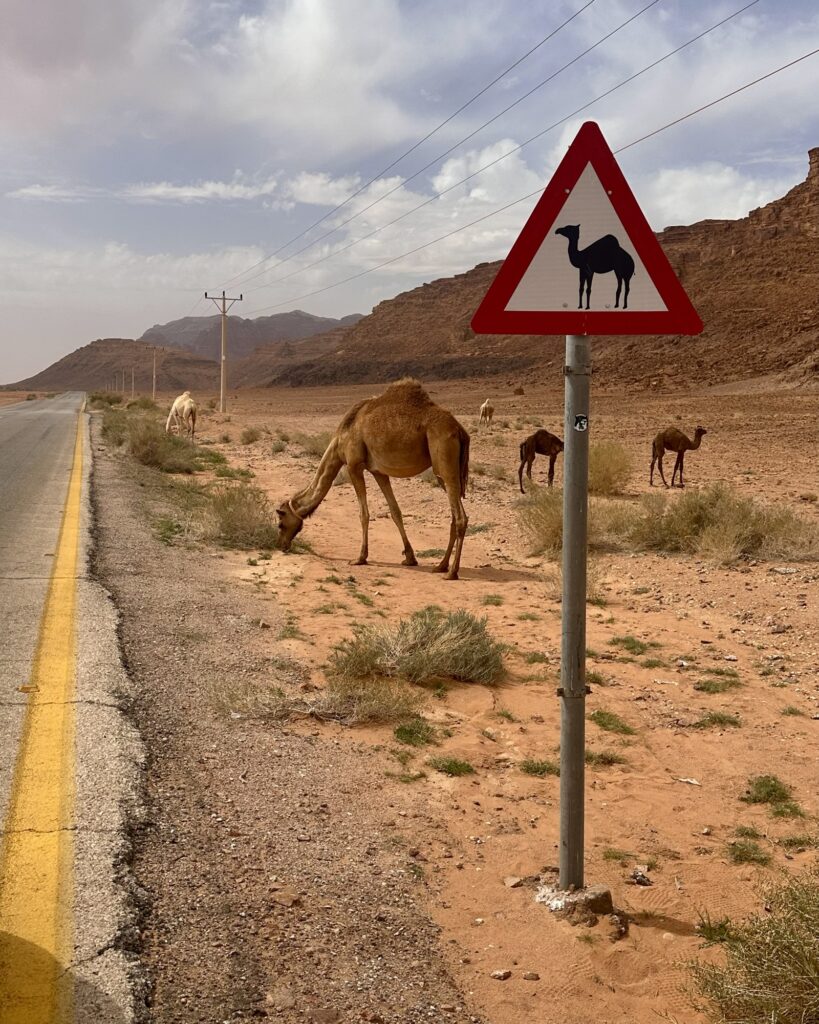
[{"x": 307, "y": 501}]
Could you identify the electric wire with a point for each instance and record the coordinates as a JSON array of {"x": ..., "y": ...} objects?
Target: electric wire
[
  {"x": 508, "y": 153},
  {"x": 416, "y": 145},
  {"x": 538, "y": 191},
  {"x": 439, "y": 157}
]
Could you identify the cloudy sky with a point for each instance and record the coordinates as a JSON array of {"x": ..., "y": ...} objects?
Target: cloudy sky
[{"x": 156, "y": 148}]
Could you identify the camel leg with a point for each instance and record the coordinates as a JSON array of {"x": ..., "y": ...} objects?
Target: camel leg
[
  {"x": 580, "y": 294},
  {"x": 445, "y": 454},
  {"x": 681, "y": 459},
  {"x": 625, "y": 297},
  {"x": 552, "y": 460},
  {"x": 520, "y": 476},
  {"x": 357, "y": 479},
  {"x": 677, "y": 468},
  {"x": 617, "y": 296},
  {"x": 651, "y": 471},
  {"x": 660, "y": 467},
  {"x": 588, "y": 289},
  {"x": 385, "y": 484}
]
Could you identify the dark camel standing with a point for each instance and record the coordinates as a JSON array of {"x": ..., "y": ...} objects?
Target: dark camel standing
[
  {"x": 400, "y": 433},
  {"x": 539, "y": 443},
  {"x": 673, "y": 440},
  {"x": 601, "y": 257}
]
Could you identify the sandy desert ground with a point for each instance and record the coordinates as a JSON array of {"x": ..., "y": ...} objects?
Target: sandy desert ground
[{"x": 675, "y": 803}]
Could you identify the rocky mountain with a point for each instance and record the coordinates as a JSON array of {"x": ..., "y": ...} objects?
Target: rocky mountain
[
  {"x": 95, "y": 366},
  {"x": 754, "y": 281},
  {"x": 203, "y": 335}
]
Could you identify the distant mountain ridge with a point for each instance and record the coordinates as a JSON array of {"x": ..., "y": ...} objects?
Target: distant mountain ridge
[{"x": 203, "y": 335}]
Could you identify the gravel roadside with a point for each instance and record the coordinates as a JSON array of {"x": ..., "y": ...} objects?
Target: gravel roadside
[{"x": 276, "y": 870}]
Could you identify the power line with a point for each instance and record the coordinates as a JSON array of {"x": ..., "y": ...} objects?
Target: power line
[
  {"x": 538, "y": 191},
  {"x": 415, "y": 146},
  {"x": 510, "y": 152},
  {"x": 440, "y": 156}
]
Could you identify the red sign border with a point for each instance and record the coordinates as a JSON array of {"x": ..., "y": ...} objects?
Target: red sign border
[{"x": 679, "y": 317}]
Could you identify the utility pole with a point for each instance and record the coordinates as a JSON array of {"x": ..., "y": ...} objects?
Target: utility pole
[
  {"x": 221, "y": 303},
  {"x": 153, "y": 390}
]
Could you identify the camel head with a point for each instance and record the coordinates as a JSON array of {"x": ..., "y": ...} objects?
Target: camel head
[
  {"x": 700, "y": 431},
  {"x": 570, "y": 231},
  {"x": 290, "y": 523}
]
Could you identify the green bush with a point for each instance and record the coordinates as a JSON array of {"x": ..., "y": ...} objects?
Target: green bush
[
  {"x": 429, "y": 645},
  {"x": 769, "y": 972},
  {"x": 611, "y": 722},
  {"x": 144, "y": 403},
  {"x": 451, "y": 766},
  {"x": 150, "y": 445},
  {"x": 243, "y": 518},
  {"x": 249, "y": 435},
  {"x": 540, "y": 768}
]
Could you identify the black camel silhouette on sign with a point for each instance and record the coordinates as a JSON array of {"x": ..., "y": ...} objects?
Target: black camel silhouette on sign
[{"x": 601, "y": 257}]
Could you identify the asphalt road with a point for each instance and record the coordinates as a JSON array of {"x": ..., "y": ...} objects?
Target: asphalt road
[{"x": 69, "y": 761}]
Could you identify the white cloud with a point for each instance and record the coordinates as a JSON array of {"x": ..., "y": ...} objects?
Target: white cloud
[{"x": 204, "y": 191}]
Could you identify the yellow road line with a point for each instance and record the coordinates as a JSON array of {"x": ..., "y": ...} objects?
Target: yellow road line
[{"x": 36, "y": 858}]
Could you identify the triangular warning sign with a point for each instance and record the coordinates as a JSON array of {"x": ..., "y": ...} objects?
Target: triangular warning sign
[{"x": 587, "y": 261}]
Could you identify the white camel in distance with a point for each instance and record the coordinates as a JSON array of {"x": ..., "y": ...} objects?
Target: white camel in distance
[
  {"x": 487, "y": 412},
  {"x": 182, "y": 415}
]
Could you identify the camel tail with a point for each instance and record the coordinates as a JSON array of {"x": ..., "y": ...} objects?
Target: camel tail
[{"x": 464, "y": 462}]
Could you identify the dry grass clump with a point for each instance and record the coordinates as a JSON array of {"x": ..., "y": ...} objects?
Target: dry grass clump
[
  {"x": 313, "y": 444},
  {"x": 249, "y": 435},
  {"x": 242, "y": 518},
  {"x": 769, "y": 973},
  {"x": 100, "y": 399},
  {"x": 609, "y": 468},
  {"x": 114, "y": 426},
  {"x": 715, "y": 523},
  {"x": 429, "y": 645},
  {"x": 720, "y": 524},
  {"x": 595, "y": 582},
  {"x": 150, "y": 445},
  {"x": 143, "y": 403}
]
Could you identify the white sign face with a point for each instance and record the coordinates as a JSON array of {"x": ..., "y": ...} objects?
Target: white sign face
[{"x": 602, "y": 245}]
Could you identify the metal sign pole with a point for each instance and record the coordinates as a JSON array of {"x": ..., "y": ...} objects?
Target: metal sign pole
[{"x": 572, "y": 692}]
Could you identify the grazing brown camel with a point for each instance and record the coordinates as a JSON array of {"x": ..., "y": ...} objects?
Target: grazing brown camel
[
  {"x": 400, "y": 433},
  {"x": 673, "y": 440},
  {"x": 539, "y": 443}
]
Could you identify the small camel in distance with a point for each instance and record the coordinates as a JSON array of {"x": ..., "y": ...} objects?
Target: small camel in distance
[
  {"x": 400, "y": 433},
  {"x": 487, "y": 412},
  {"x": 539, "y": 443},
  {"x": 601, "y": 257},
  {"x": 673, "y": 440},
  {"x": 182, "y": 415}
]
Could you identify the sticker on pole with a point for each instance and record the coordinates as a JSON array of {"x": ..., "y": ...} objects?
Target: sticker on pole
[
  {"x": 581, "y": 423},
  {"x": 586, "y": 261}
]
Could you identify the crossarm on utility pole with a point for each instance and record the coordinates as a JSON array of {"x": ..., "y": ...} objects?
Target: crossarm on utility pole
[{"x": 223, "y": 304}]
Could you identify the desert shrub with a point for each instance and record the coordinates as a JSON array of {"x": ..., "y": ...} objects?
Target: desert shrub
[
  {"x": 31, "y": 397},
  {"x": 278, "y": 446},
  {"x": 150, "y": 445},
  {"x": 540, "y": 768},
  {"x": 100, "y": 399},
  {"x": 451, "y": 766},
  {"x": 611, "y": 722},
  {"x": 631, "y": 644},
  {"x": 234, "y": 473},
  {"x": 211, "y": 404},
  {"x": 430, "y": 644},
  {"x": 242, "y": 517},
  {"x": 609, "y": 468},
  {"x": 416, "y": 732},
  {"x": 603, "y": 758},
  {"x": 748, "y": 851},
  {"x": 769, "y": 971},
  {"x": 143, "y": 403},
  {"x": 768, "y": 789},
  {"x": 718, "y": 523},
  {"x": 357, "y": 701},
  {"x": 114, "y": 426},
  {"x": 249, "y": 435},
  {"x": 595, "y": 579},
  {"x": 540, "y": 514},
  {"x": 718, "y": 720},
  {"x": 313, "y": 444}
]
